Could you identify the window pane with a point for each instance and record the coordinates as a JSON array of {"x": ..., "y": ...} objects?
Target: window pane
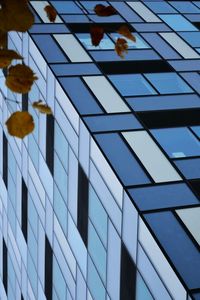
[
  {"x": 177, "y": 142},
  {"x": 61, "y": 146},
  {"x": 98, "y": 215},
  {"x": 142, "y": 292},
  {"x": 132, "y": 85},
  {"x": 95, "y": 285},
  {"x": 85, "y": 39},
  {"x": 58, "y": 281},
  {"x": 168, "y": 83},
  {"x": 60, "y": 208},
  {"x": 60, "y": 176},
  {"x": 138, "y": 44}
]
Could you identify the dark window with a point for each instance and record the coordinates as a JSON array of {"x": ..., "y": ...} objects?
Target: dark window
[
  {"x": 24, "y": 217},
  {"x": 5, "y": 266},
  {"x": 48, "y": 269},
  {"x": 128, "y": 276},
  {"x": 5, "y": 160},
  {"x": 25, "y": 102},
  {"x": 50, "y": 143},
  {"x": 22, "y": 298},
  {"x": 83, "y": 186}
]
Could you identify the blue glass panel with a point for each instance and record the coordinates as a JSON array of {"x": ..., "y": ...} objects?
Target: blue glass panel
[
  {"x": 193, "y": 38},
  {"x": 11, "y": 274},
  {"x": 80, "y": 96},
  {"x": 61, "y": 146},
  {"x": 163, "y": 102},
  {"x": 132, "y": 85},
  {"x": 142, "y": 292},
  {"x": 12, "y": 164},
  {"x": 12, "y": 189},
  {"x": 185, "y": 7},
  {"x": 189, "y": 167},
  {"x": 32, "y": 216},
  {"x": 126, "y": 12},
  {"x": 97, "y": 251},
  {"x": 138, "y": 44},
  {"x": 58, "y": 281},
  {"x": 85, "y": 39},
  {"x": 32, "y": 274},
  {"x": 179, "y": 247},
  {"x": 98, "y": 215},
  {"x": 178, "y": 23},
  {"x": 163, "y": 196},
  {"x": 169, "y": 83},
  {"x": 160, "y": 7},
  {"x": 60, "y": 209},
  {"x": 46, "y": 42},
  {"x": 177, "y": 142},
  {"x": 33, "y": 151},
  {"x": 196, "y": 296},
  {"x": 112, "y": 122},
  {"x": 75, "y": 69},
  {"x": 32, "y": 245},
  {"x": 196, "y": 130},
  {"x": 94, "y": 282},
  {"x": 66, "y": 7},
  {"x": 49, "y": 28},
  {"x": 127, "y": 167},
  {"x": 60, "y": 177},
  {"x": 11, "y": 216}
]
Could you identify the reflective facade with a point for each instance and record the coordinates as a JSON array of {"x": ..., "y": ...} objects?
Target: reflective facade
[{"x": 101, "y": 201}]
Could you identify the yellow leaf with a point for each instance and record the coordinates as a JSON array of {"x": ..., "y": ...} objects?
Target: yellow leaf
[
  {"x": 20, "y": 78},
  {"x": 126, "y": 32},
  {"x": 42, "y": 108},
  {"x": 121, "y": 46},
  {"x": 51, "y": 13},
  {"x": 20, "y": 123},
  {"x": 6, "y": 57}
]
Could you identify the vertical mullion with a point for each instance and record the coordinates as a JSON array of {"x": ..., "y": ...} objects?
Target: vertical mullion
[
  {"x": 50, "y": 142},
  {"x": 48, "y": 269},
  {"x": 24, "y": 215}
]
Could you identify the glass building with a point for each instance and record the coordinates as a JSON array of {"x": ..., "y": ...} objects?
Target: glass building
[{"x": 101, "y": 201}]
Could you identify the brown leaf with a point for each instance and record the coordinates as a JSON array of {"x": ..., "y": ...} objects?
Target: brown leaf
[
  {"x": 15, "y": 16},
  {"x": 96, "y": 33},
  {"x": 3, "y": 39},
  {"x": 20, "y": 78},
  {"x": 6, "y": 57},
  {"x": 123, "y": 30},
  {"x": 51, "y": 13},
  {"x": 104, "y": 11},
  {"x": 20, "y": 123},
  {"x": 121, "y": 46},
  {"x": 42, "y": 108}
]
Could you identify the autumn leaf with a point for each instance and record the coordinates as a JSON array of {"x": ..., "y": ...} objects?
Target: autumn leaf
[
  {"x": 20, "y": 123},
  {"x": 121, "y": 46},
  {"x": 51, "y": 13},
  {"x": 3, "y": 39},
  {"x": 6, "y": 57},
  {"x": 104, "y": 11},
  {"x": 20, "y": 78},
  {"x": 96, "y": 33},
  {"x": 42, "y": 108},
  {"x": 123, "y": 30},
  {"x": 15, "y": 16}
]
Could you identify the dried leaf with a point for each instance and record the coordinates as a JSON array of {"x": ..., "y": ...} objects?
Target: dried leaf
[
  {"x": 121, "y": 46},
  {"x": 20, "y": 123},
  {"x": 42, "y": 108},
  {"x": 3, "y": 39},
  {"x": 123, "y": 30},
  {"x": 6, "y": 57},
  {"x": 104, "y": 11},
  {"x": 15, "y": 16},
  {"x": 51, "y": 13},
  {"x": 96, "y": 33},
  {"x": 20, "y": 78}
]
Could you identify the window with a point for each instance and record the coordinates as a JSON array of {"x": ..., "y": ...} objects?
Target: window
[
  {"x": 82, "y": 217},
  {"x": 132, "y": 85},
  {"x": 178, "y": 23},
  {"x": 138, "y": 44},
  {"x": 48, "y": 269},
  {"x": 5, "y": 266},
  {"x": 98, "y": 215},
  {"x": 193, "y": 38},
  {"x": 196, "y": 130},
  {"x": 142, "y": 292},
  {"x": 97, "y": 251},
  {"x": 168, "y": 83},
  {"x": 59, "y": 284},
  {"x": 94, "y": 282},
  {"x": 85, "y": 39},
  {"x": 24, "y": 215},
  {"x": 127, "y": 287},
  {"x": 177, "y": 142},
  {"x": 5, "y": 160},
  {"x": 50, "y": 142}
]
